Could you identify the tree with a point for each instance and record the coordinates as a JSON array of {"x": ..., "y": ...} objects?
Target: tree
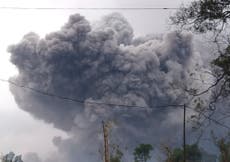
[
  {"x": 210, "y": 16},
  {"x": 142, "y": 152},
  {"x": 203, "y": 15},
  {"x": 193, "y": 154},
  {"x": 224, "y": 148},
  {"x": 115, "y": 154},
  {"x": 223, "y": 144},
  {"x": 10, "y": 157}
]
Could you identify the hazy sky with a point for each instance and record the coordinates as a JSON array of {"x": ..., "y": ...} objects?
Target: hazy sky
[{"x": 20, "y": 132}]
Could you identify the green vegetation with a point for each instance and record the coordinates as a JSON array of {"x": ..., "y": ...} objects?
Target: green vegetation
[
  {"x": 142, "y": 153},
  {"x": 223, "y": 144},
  {"x": 116, "y": 154},
  {"x": 193, "y": 154},
  {"x": 224, "y": 147}
]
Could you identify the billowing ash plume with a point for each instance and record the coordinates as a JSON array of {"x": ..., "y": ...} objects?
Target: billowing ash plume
[{"x": 102, "y": 63}]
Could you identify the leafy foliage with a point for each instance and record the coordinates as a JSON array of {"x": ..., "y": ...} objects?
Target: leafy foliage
[
  {"x": 224, "y": 148},
  {"x": 223, "y": 145},
  {"x": 142, "y": 152},
  {"x": 193, "y": 154},
  {"x": 203, "y": 15},
  {"x": 10, "y": 157},
  {"x": 116, "y": 154}
]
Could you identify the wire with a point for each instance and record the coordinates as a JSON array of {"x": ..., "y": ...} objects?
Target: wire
[
  {"x": 89, "y": 102},
  {"x": 88, "y": 8},
  {"x": 211, "y": 119},
  {"x": 112, "y": 104}
]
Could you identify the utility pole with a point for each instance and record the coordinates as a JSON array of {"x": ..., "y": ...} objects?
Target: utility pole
[
  {"x": 184, "y": 134},
  {"x": 106, "y": 142}
]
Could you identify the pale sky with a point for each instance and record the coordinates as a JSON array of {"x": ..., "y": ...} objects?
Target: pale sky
[{"x": 20, "y": 132}]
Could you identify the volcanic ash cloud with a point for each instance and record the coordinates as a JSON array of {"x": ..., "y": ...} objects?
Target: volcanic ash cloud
[{"x": 102, "y": 63}]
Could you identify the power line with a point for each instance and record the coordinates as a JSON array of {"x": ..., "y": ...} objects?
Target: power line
[
  {"x": 174, "y": 106},
  {"x": 211, "y": 119},
  {"x": 184, "y": 107},
  {"x": 106, "y": 151},
  {"x": 89, "y": 102},
  {"x": 88, "y": 8}
]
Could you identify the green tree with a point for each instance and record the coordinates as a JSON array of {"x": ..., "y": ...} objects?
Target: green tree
[
  {"x": 223, "y": 144},
  {"x": 193, "y": 154},
  {"x": 224, "y": 148},
  {"x": 115, "y": 154},
  {"x": 142, "y": 152}
]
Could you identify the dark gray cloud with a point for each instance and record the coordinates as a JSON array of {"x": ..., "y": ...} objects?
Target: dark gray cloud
[{"x": 103, "y": 62}]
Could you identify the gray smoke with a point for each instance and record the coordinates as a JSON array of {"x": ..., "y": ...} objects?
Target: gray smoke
[
  {"x": 103, "y": 63},
  {"x": 31, "y": 157}
]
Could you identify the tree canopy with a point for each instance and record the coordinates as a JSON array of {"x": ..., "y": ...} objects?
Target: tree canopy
[
  {"x": 10, "y": 157},
  {"x": 142, "y": 152},
  {"x": 116, "y": 154},
  {"x": 193, "y": 154},
  {"x": 203, "y": 15}
]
